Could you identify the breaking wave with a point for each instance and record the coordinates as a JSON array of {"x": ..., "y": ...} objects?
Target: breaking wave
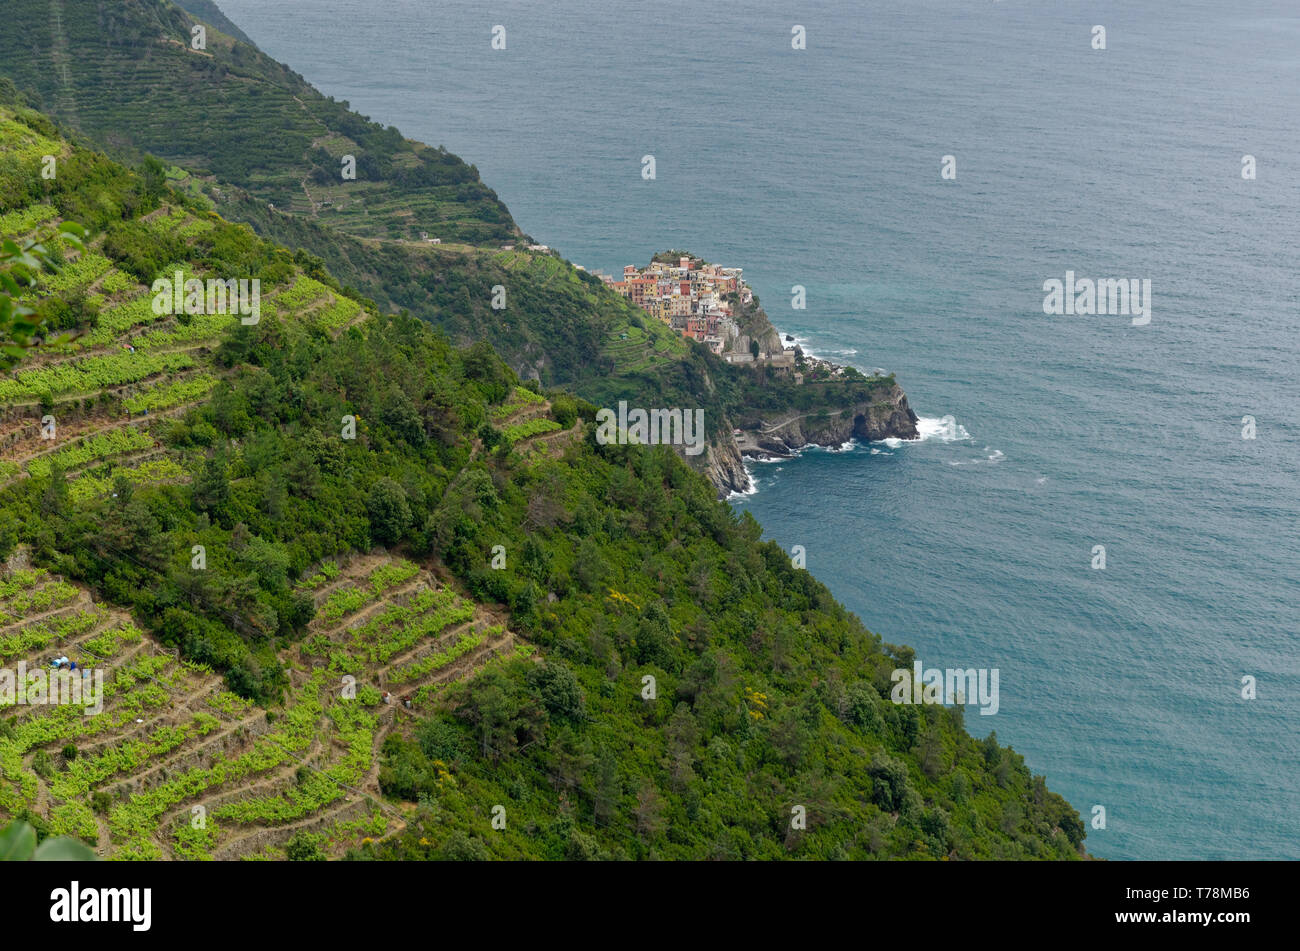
[{"x": 944, "y": 429}]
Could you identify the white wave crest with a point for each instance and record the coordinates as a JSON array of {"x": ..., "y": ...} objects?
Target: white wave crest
[
  {"x": 944, "y": 429},
  {"x": 751, "y": 489}
]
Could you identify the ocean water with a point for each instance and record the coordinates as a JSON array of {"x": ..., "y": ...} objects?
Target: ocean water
[{"x": 1046, "y": 435}]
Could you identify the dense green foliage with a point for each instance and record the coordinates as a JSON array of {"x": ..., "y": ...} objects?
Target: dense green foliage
[
  {"x": 210, "y": 13},
  {"x": 769, "y": 694},
  {"x": 124, "y": 73},
  {"x": 769, "y": 700},
  {"x": 19, "y": 265},
  {"x": 559, "y": 324}
]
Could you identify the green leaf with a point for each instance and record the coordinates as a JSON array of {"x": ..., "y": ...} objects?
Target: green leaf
[
  {"x": 64, "y": 849},
  {"x": 17, "y": 842}
]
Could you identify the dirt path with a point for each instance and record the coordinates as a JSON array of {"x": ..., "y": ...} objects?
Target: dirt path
[
  {"x": 447, "y": 637},
  {"x": 65, "y": 99}
]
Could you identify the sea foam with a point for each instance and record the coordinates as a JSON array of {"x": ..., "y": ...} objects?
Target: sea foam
[{"x": 944, "y": 429}]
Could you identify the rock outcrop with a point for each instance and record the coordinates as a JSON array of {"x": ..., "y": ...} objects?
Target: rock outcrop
[
  {"x": 755, "y": 325},
  {"x": 886, "y": 415},
  {"x": 725, "y": 468}
]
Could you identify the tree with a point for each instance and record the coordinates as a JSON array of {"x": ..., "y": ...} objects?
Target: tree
[
  {"x": 582, "y": 847},
  {"x": 889, "y": 782},
  {"x": 559, "y": 689},
  {"x": 441, "y": 739},
  {"x": 654, "y": 637},
  {"x": 564, "y": 409},
  {"x": 608, "y": 788},
  {"x": 483, "y": 366},
  {"x": 211, "y": 490},
  {"x": 790, "y": 737},
  {"x": 461, "y": 848},
  {"x": 399, "y": 415},
  {"x": 863, "y": 702},
  {"x": 649, "y": 812},
  {"x": 153, "y": 176},
  {"x": 931, "y": 753},
  {"x": 389, "y": 511},
  {"x": 8, "y": 539},
  {"x": 501, "y": 713},
  {"x": 937, "y": 829},
  {"x": 304, "y": 847}
]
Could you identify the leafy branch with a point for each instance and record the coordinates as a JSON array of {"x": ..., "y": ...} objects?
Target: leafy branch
[{"x": 20, "y": 266}]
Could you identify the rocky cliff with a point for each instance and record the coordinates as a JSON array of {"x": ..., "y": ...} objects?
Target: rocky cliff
[
  {"x": 754, "y": 324},
  {"x": 884, "y": 415},
  {"x": 725, "y": 469}
]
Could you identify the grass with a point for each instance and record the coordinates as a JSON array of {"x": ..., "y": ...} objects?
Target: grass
[{"x": 533, "y": 427}]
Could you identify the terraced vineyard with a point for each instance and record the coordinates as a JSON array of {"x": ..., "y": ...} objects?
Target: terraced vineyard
[
  {"x": 109, "y": 387},
  {"x": 522, "y": 403},
  {"x": 176, "y": 766},
  {"x": 184, "y": 504},
  {"x": 106, "y": 390},
  {"x": 636, "y": 350},
  {"x": 265, "y": 130},
  {"x": 526, "y": 422}
]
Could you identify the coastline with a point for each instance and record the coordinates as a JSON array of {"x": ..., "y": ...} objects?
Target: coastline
[
  {"x": 880, "y": 413},
  {"x": 784, "y": 398}
]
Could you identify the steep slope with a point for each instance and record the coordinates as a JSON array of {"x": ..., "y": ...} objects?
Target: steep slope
[
  {"x": 126, "y": 74},
  {"x": 558, "y": 325},
  {"x": 214, "y": 501},
  {"x": 176, "y": 766},
  {"x": 208, "y": 12},
  {"x": 564, "y": 327}
]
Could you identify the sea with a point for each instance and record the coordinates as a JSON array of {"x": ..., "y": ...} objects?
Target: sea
[{"x": 1138, "y": 142}]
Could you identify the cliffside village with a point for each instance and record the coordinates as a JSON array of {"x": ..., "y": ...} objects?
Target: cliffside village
[{"x": 696, "y": 299}]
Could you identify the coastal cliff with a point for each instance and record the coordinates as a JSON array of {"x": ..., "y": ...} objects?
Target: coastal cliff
[
  {"x": 779, "y": 399},
  {"x": 755, "y": 325},
  {"x": 724, "y": 467},
  {"x": 884, "y": 413}
]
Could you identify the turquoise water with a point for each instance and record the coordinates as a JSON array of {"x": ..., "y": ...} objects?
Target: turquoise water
[{"x": 821, "y": 168}]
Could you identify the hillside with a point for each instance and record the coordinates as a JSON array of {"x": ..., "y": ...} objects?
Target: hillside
[
  {"x": 125, "y": 74},
  {"x": 208, "y": 12},
  {"x": 559, "y": 325},
  {"x": 563, "y": 327},
  {"x": 333, "y": 493},
  {"x": 171, "y": 736}
]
